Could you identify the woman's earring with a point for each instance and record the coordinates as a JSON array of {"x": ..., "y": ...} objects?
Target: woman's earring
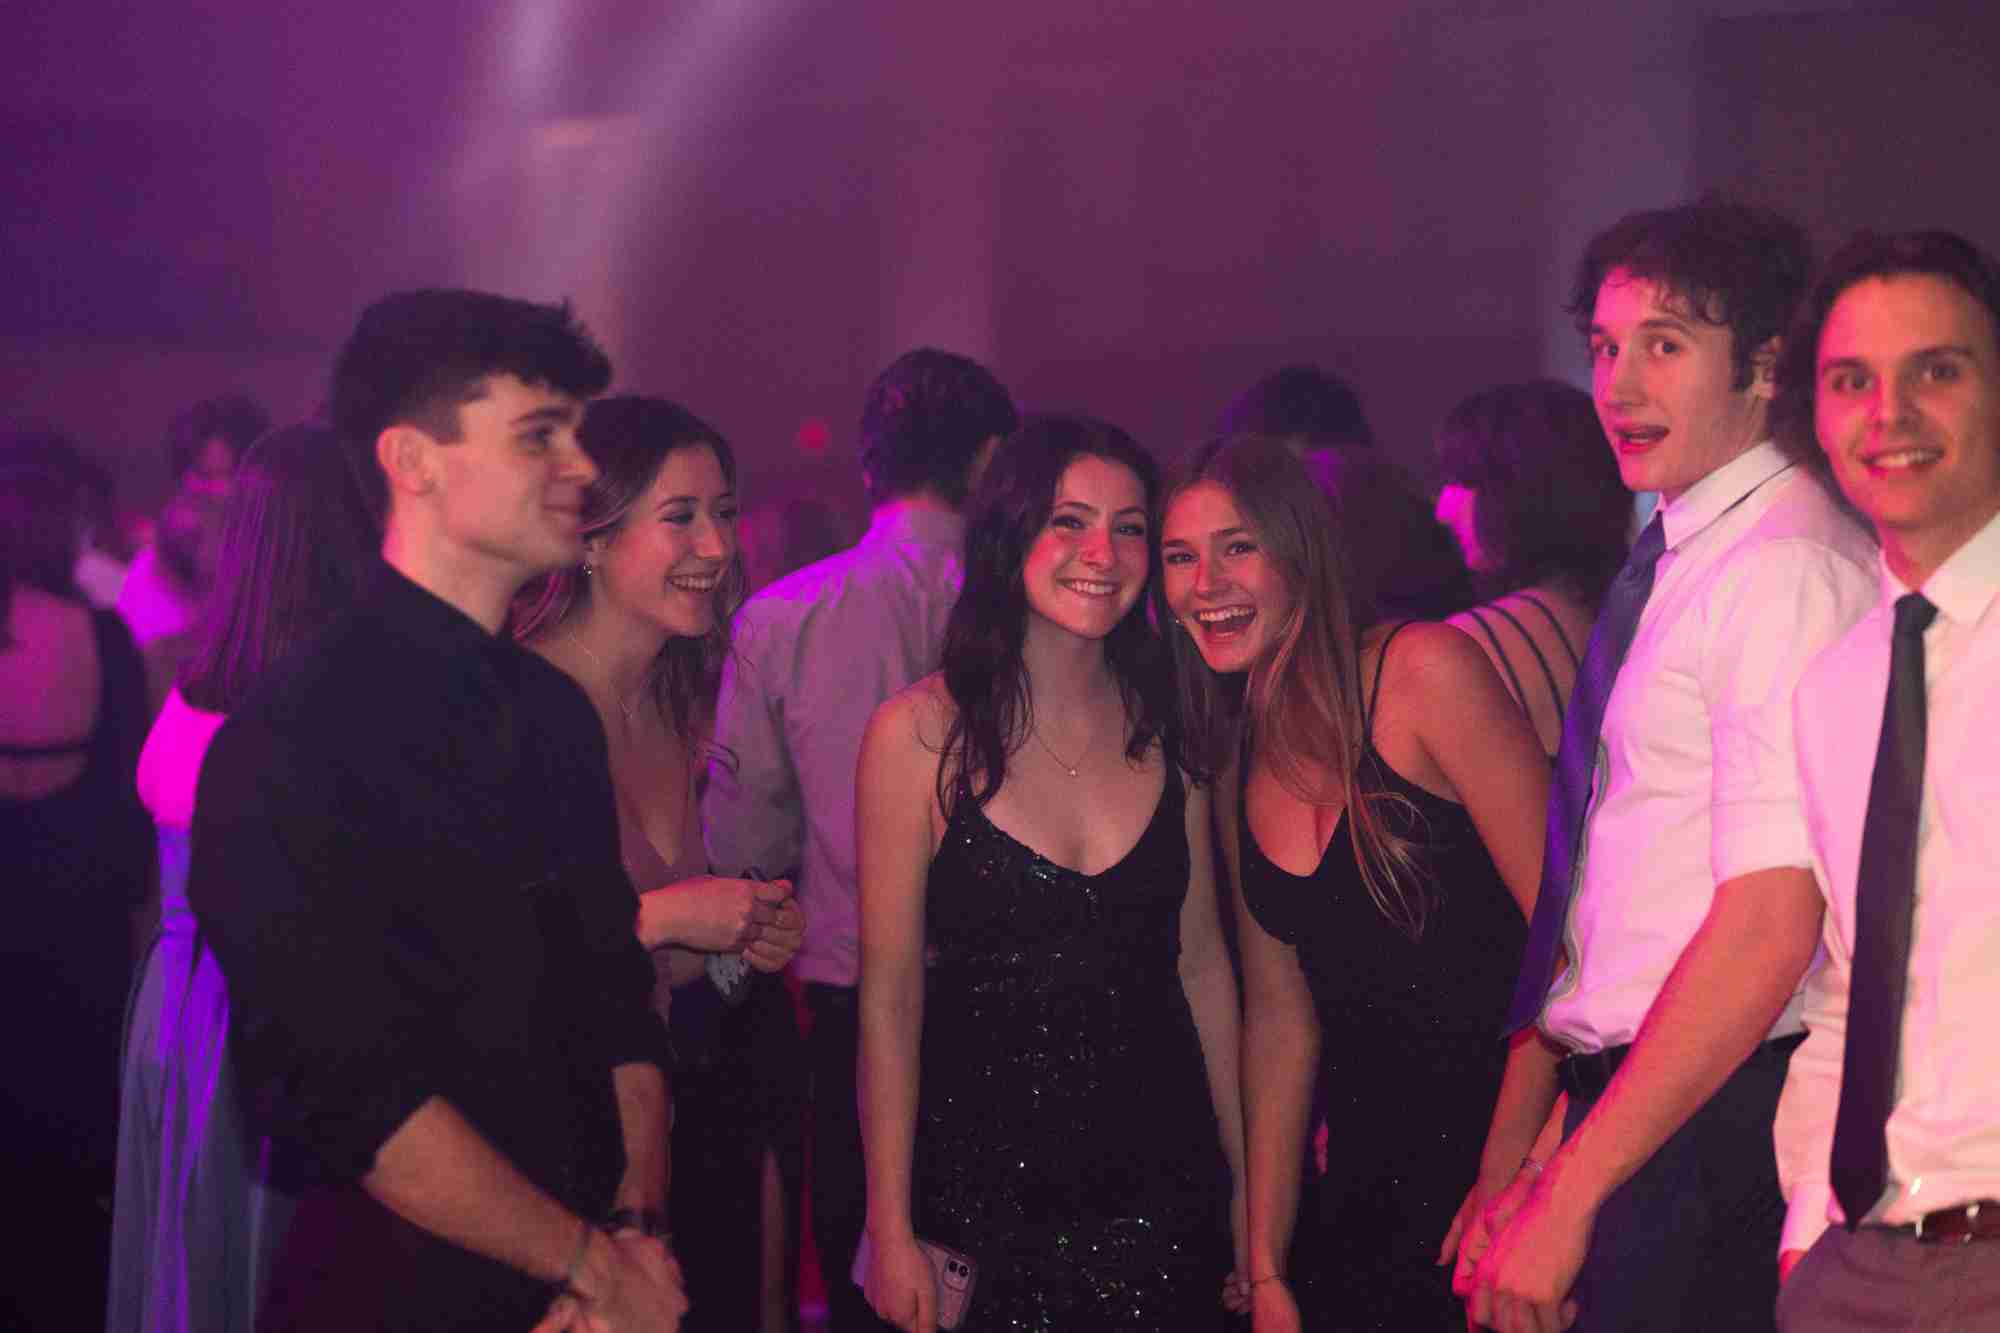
[{"x": 587, "y": 570}]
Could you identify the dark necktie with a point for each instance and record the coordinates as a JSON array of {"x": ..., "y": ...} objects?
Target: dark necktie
[
  {"x": 1576, "y": 765},
  {"x": 1885, "y": 898}
]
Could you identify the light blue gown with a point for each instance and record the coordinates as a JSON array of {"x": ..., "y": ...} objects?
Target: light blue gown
[{"x": 194, "y": 1226}]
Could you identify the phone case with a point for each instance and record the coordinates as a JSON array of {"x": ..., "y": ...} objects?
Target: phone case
[{"x": 956, "y": 1275}]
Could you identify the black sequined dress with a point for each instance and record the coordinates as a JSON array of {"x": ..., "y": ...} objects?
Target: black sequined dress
[{"x": 1065, "y": 1137}]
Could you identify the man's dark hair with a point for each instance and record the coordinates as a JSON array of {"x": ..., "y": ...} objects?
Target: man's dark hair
[
  {"x": 1730, "y": 265},
  {"x": 1298, "y": 400},
  {"x": 923, "y": 423},
  {"x": 1937, "y": 254},
  {"x": 233, "y": 418},
  {"x": 416, "y": 356}
]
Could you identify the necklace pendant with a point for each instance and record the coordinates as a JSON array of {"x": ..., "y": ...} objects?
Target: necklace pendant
[{"x": 1072, "y": 772}]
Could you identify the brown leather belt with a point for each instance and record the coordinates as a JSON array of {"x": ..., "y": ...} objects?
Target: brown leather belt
[{"x": 1964, "y": 1224}]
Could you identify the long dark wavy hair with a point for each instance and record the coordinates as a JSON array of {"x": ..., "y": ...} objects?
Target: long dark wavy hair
[
  {"x": 297, "y": 545},
  {"x": 630, "y": 438},
  {"x": 983, "y": 668},
  {"x": 1300, "y": 706}
]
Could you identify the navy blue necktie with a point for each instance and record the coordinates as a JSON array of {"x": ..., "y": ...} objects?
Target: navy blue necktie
[
  {"x": 1885, "y": 899},
  {"x": 1576, "y": 766}
]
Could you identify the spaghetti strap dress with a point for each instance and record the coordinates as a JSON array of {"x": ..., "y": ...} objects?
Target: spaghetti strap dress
[
  {"x": 1408, "y": 1051},
  {"x": 1065, "y": 1135}
]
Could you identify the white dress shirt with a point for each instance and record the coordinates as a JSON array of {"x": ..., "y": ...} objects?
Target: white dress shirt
[
  {"x": 1944, "y": 1133},
  {"x": 814, "y": 653},
  {"x": 1696, "y": 782}
]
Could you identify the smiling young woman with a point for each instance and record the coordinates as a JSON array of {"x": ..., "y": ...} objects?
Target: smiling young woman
[
  {"x": 641, "y": 624},
  {"x": 1380, "y": 800},
  {"x": 1048, "y": 1017}
]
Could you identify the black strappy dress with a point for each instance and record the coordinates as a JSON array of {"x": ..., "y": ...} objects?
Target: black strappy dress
[
  {"x": 1408, "y": 1052},
  {"x": 1065, "y": 1135}
]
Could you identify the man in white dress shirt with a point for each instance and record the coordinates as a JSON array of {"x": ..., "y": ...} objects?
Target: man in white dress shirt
[
  {"x": 1679, "y": 895},
  {"x": 1888, "y": 1134}
]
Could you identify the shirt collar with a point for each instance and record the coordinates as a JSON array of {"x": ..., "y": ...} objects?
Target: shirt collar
[
  {"x": 917, "y": 523},
  {"x": 1963, "y": 587},
  {"x": 1718, "y": 492}
]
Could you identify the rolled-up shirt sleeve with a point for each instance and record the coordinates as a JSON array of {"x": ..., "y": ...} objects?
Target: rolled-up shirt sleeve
[
  {"x": 334, "y": 1047},
  {"x": 752, "y": 812},
  {"x": 1779, "y": 606}
]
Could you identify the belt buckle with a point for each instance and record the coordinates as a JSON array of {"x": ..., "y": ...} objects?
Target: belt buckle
[{"x": 1970, "y": 1212}]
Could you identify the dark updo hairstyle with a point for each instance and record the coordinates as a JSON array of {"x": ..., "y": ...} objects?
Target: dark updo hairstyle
[
  {"x": 1550, "y": 502},
  {"x": 1404, "y": 562},
  {"x": 1300, "y": 705},
  {"x": 983, "y": 667},
  {"x": 1937, "y": 254},
  {"x": 630, "y": 439},
  {"x": 297, "y": 544}
]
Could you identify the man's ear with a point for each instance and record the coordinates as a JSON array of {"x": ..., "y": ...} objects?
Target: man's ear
[
  {"x": 1764, "y": 369},
  {"x": 407, "y": 455}
]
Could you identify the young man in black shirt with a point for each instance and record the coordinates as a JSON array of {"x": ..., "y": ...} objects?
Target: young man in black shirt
[{"x": 406, "y": 860}]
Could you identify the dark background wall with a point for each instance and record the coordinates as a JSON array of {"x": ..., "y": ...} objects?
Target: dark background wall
[{"x": 1127, "y": 206}]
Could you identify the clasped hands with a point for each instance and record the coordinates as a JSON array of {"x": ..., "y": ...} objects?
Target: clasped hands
[
  {"x": 628, "y": 1282},
  {"x": 1518, "y": 1245},
  {"x": 758, "y": 919}
]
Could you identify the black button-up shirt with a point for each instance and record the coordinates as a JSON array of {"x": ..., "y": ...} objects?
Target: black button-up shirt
[{"x": 406, "y": 861}]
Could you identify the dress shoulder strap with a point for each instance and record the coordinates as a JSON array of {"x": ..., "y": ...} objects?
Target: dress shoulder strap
[
  {"x": 1562, "y": 636},
  {"x": 1375, "y": 689},
  {"x": 1500, "y": 654},
  {"x": 1548, "y": 673}
]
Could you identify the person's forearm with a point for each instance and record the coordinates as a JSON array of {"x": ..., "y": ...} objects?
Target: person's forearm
[
  {"x": 663, "y": 917},
  {"x": 892, "y": 1017},
  {"x": 685, "y": 965},
  {"x": 642, "y": 1115},
  {"x": 1210, "y": 985},
  {"x": 440, "y": 1174},
  {"x": 1280, "y": 1054},
  {"x": 1528, "y": 1092},
  {"x": 1728, "y": 988}
]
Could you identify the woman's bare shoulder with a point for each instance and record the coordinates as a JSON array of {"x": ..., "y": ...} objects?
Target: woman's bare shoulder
[{"x": 917, "y": 716}]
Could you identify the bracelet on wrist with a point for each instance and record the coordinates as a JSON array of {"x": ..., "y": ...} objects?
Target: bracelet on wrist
[
  {"x": 651, "y": 1222},
  {"x": 1269, "y": 1277},
  {"x": 585, "y": 1231}
]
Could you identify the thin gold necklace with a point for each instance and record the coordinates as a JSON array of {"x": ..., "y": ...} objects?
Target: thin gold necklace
[
  {"x": 1035, "y": 730},
  {"x": 629, "y": 708}
]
